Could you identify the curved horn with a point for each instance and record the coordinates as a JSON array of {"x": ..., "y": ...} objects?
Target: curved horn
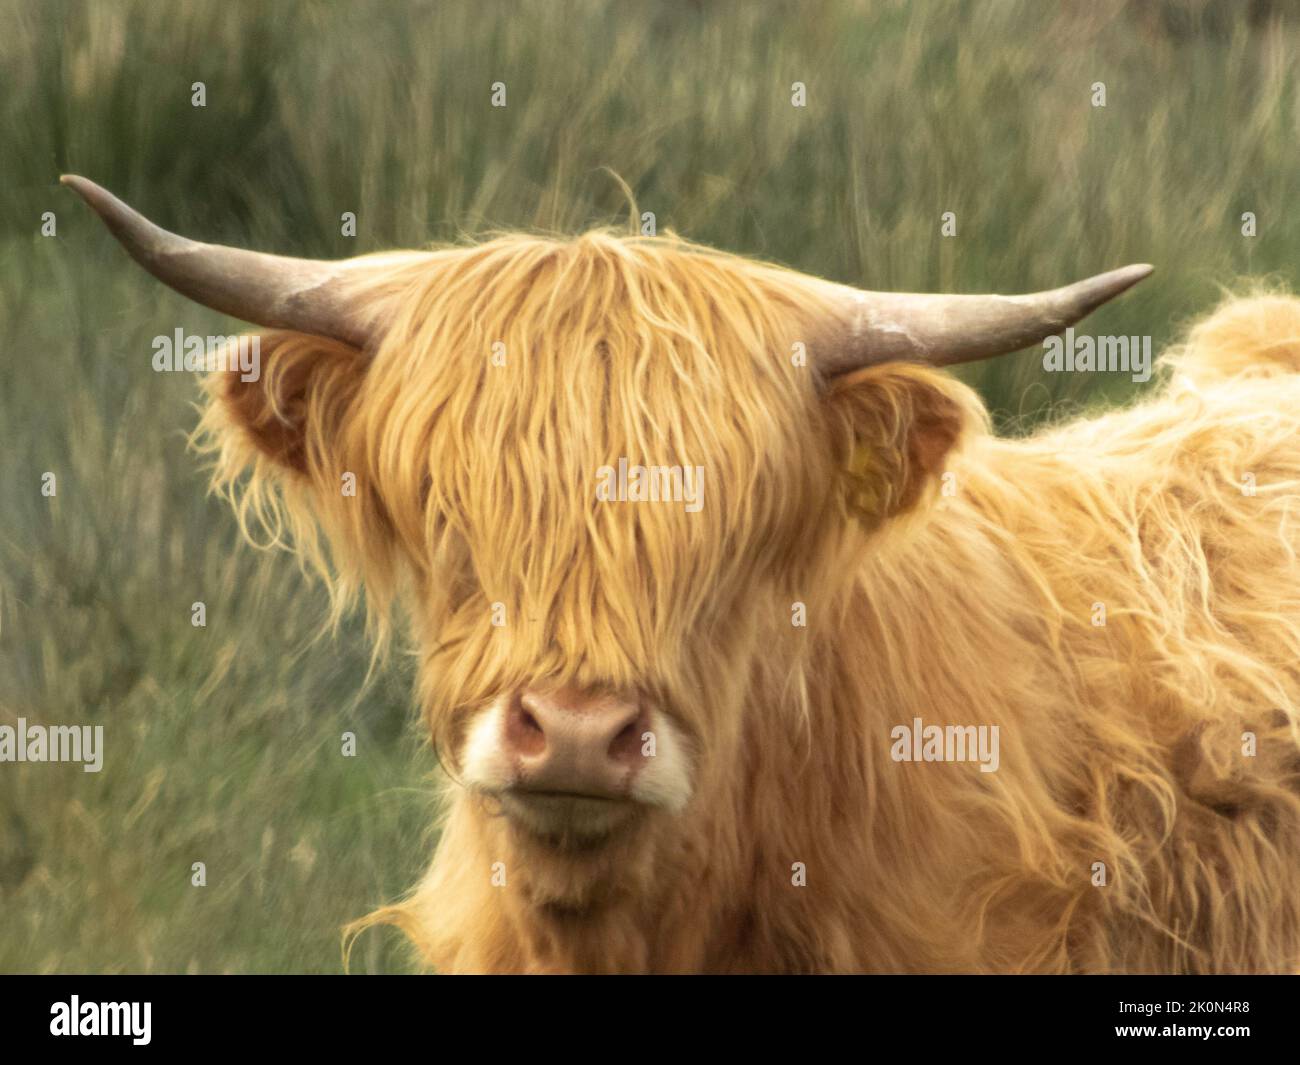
[
  {"x": 305, "y": 295},
  {"x": 942, "y": 330}
]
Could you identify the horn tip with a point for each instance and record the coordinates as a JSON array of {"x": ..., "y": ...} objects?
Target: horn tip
[
  {"x": 141, "y": 238},
  {"x": 85, "y": 188},
  {"x": 1107, "y": 286},
  {"x": 1133, "y": 273}
]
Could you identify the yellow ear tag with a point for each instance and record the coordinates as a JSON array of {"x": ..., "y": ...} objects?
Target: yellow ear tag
[{"x": 864, "y": 497}]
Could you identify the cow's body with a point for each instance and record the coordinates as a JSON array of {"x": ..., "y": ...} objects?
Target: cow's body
[
  {"x": 1121, "y": 742},
  {"x": 673, "y": 730}
]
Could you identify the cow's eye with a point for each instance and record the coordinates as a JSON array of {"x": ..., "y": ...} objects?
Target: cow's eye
[{"x": 450, "y": 572}]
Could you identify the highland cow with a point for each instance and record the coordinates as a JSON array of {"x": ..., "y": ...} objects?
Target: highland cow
[{"x": 669, "y": 733}]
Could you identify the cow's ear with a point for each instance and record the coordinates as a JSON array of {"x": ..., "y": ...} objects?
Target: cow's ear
[
  {"x": 288, "y": 401},
  {"x": 893, "y": 429}
]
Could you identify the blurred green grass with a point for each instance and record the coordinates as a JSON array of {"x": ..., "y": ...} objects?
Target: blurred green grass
[{"x": 223, "y": 742}]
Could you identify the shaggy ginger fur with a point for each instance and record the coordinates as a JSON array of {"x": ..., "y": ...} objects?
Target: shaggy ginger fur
[{"x": 1121, "y": 743}]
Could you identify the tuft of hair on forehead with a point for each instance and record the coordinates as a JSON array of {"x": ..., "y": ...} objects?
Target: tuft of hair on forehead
[{"x": 514, "y": 371}]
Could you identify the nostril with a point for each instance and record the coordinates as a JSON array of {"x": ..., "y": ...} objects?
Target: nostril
[
  {"x": 626, "y": 746},
  {"x": 524, "y": 733}
]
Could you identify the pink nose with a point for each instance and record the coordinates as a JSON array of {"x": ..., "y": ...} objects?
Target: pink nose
[{"x": 567, "y": 742}]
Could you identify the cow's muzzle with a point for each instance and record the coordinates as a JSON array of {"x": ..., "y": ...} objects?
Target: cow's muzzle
[
  {"x": 575, "y": 764},
  {"x": 562, "y": 743}
]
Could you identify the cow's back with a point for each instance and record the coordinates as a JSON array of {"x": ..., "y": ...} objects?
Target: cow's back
[{"x": 1164, "y": 542}]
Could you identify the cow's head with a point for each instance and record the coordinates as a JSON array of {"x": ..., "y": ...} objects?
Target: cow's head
[{"x": 469, "y": 428}]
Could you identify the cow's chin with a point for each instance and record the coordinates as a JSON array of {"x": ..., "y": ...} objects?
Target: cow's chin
[
  {"x": 568, "y": 854},
  {"x": 569, "y": 822}
]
